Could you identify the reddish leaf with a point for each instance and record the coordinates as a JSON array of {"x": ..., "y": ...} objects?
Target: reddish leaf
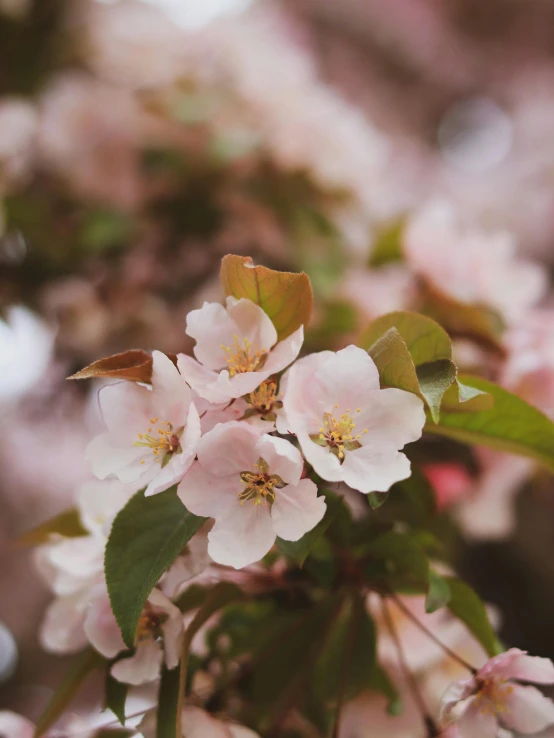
[{"x": 134, "y": 365}]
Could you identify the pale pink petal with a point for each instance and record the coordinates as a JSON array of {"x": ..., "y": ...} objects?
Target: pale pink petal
[
  {"x": 239, "y": 731},
  {"x": 15, "y": 726},
  {"x": 253, "y": 324},
  {"x": 143, "y": 667},
  {"x": 303, "y": 401},
  {"x": 527, "y": 710},
  {"x": 101, "y": 628},
  {"x": 62, "y": 629},
  {"x": 228, "y": 449},
  {"x": 282, "y": 457},
  {"x": 391, "y": 417},
  {"x": 531, "y": 669},
  {"x": 285, "y": 352},
  {"x": 199, "y": 724},
  {"x": 212, "y": 327},
  {"x": 192, "y": 562},
  {"x": 242, "y": 384},
  {"x": 454, "y": 694},
  {"x": 243, "y": 536},
  {"x": 347, "y": 377},
  {"x": 323, "y": 461},
  {"x": 371, "y": 471},
  {"x": 208, "y": 495},
  {"x": 477, "y": 723},
  {"x": 202, "y": 379},
  {"x": 297, "y": 509},
  {"x": 76, "y": 559},
  {"x": 171, "y": 395},
  {"x": 126, "y": 408},
  {"x": 106, "y": 456},
  {"x": 180, "y": 463},
  {"x": 100, "y": 501}
]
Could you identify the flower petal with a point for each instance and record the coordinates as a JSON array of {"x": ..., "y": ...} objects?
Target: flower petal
[
  {"x": 15, "y": 726},
  {"x": 527, "y": 710},
  {"x": 531, "y": 669},
  {"x": 323, "y": 461},
  {"x": 107, "y": 457},
  {"x": 243, "y": 536},
  {"x": 205, "y": 494},
  {"x": 369, "y": 470},
  {"x": 297, "y": 509},
  {"x": 101, "y": 628},
  {"x": 282, "y": 457},
  {"x": 477, "y": 723},
  {"x": 391, "y": 417},
  {"x": 62, "y": 630},
  {"x": 212, "y": 327},
  {"x": 143, "y": 667},
  {"x": 126, "y": 408},
  {"x": 285, "y": 352},
  {"x": 253, "y": 323},
  {"x": 171, "y": 395},
  {"x": 229, "y": 449}
]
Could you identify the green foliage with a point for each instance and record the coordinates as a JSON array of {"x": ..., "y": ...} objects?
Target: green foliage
[
  {"x": 398, "y": 560},
  {"x": 67, "y": 524},
  {"x": 414, "y": 353},
  {"x": 438, "y": 593},
  {"x": 104, "y": 229},
  {"x": 168, "y": 698},
  {"x": 387, "y": 247},
  {"x": 115, "y": 696},
  {"x": 146, "y": 537},
  {"x": 83, "y": 665},
  {"x": 381, "y": 682},
  {"x": 467, "y": 606},
  {"x": 512, "y": 425}
]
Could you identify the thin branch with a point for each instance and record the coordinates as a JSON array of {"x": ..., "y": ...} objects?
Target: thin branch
[
  {"x": 453, "y": 655},
  {"x": 432, "y": 729}
]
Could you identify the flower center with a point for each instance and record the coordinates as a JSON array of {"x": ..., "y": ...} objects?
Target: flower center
[
  {"x": 163, "y": 441},
  {"x": 148, "y": 625},
  {"x": 492, "y": 696},
  {"x": 259, "y": 485},
  {"x": 241, "y": 358},
  {"x": 264, "y": 401},
  {"x": 338, "y": 433}
]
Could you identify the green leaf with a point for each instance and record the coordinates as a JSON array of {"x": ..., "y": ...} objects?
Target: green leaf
[
  {"x": 511, "y": 425},
  {"x": 299, "y": 551},
  {"x": 83, "y": 665},
  {"x": 285, "y": 297},
  {"x": 168, "y": 698},
  {"x": 381, "y": 682},
  {"x": 466, "y": 605},
  {"x": 67, "y": 524},
  {"x": 438, "y": 593},
  {"x": 346, "y": 663},
  {"x": 387, "y": 247},
  {"x": 413, "y": 353},
  {"x": 376, "y": 499},
  {"x": 406, "y": 564},
  {"x": 115, "y": 696},
  {"x": 146, "y": 537}
]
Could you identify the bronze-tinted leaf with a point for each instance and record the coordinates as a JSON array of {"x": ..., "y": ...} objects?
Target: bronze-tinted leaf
[
  {"x": 67, "y": 524},
  {"x": 284, "y": 296},
  {"x": 134, "y": 365}
]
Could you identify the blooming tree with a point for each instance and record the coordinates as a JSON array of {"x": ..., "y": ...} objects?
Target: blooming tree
[{"x": 261, "y": 546}]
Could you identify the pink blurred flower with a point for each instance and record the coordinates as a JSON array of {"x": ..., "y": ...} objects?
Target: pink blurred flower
[
  {"x": 494, "y": 697},
  {"x": 450, "y": 481},
  {"x": 473, "y": 267}
]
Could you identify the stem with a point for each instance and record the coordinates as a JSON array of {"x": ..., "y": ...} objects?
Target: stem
[
  {"x": 432, "y": 729},
  {"x": 351, "y": 638},
  {"x": 453, "y": 655}
]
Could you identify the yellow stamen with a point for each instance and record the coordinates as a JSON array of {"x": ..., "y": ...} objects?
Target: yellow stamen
[
  {"x": 259, "y": 485},
  {"x": 165, "y": 442},
  {"x": 239, "y": 358}
]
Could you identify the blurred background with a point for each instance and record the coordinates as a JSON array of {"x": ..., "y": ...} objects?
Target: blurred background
[{"x": 141, "y": 141}]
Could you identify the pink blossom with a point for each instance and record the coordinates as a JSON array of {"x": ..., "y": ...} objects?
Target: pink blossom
[
  {"x": 450, "y": 481},
  {"x": 252, "y": 486},
  {"x": 494, "y": 697},
  {"x": 349, "y": 429},
  {"x": 159, "y": 637},
  {"x": 200, "y": 724},
  {"x": 529, "y": 368},
  {"x": 236, "y": 349},
  {"x": 473, "y": 266},
  {"x": 15, "y": 726},
  {"x": 152, "y": 434}
]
